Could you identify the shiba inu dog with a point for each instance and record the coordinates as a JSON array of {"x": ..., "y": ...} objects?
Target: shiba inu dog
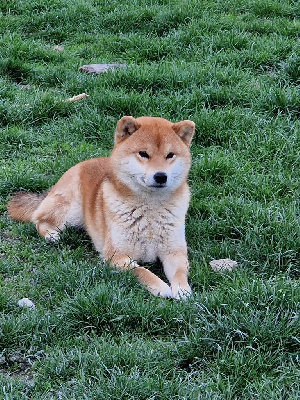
[{"x": 132, "y": 203}]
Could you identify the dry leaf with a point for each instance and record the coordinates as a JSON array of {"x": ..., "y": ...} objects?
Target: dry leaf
[{"x": 77, "y": 98}]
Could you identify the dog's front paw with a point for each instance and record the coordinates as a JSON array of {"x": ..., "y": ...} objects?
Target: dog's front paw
[
  {"x": 163, "y": 290},
  {"x": 181, "y": 293}
]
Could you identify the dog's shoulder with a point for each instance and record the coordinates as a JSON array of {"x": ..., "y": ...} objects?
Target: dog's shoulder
[{"x": 92, "y": 172}]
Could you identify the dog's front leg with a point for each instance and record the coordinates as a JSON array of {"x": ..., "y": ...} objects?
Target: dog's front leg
[
  {"x": 176, "y": 266},
  {"x": 153, "y": 283}
]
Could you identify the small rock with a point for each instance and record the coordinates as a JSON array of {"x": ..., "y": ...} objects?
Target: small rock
[
  {"x": 25, "y": 302},
  {"x": 100, "y": 68},
  {"x": 222, "y": 265},
  {"x": 58, "y": 48},
  {"x": 21, "y": 86}
]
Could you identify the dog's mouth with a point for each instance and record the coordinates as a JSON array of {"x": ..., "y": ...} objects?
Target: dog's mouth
[
  {"x": 158, "y": 185},
  {"x": 152, "y": 185}
]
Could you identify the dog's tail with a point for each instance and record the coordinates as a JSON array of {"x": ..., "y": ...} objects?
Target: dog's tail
[{"x": 22, "y": 205}]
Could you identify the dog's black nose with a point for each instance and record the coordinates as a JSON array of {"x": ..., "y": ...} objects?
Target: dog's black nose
[{"x": 160, "y": 177}]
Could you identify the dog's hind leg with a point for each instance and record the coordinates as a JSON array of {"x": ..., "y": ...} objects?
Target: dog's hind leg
[
  {"x": 52, "y": 216},
  {"x": 50, "y": 232},
  {"x": 45, "y": 210}
]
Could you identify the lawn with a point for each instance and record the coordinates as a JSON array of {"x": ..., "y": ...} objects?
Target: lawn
[{"x": 232, "y": 67}]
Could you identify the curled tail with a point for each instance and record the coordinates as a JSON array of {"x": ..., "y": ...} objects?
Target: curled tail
[{"x": 22, "y": 205}]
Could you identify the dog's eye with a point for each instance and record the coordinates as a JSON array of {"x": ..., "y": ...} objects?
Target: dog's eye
[
  {"x": 170, "y": 155},
  {"x": 143, "y": 154}
]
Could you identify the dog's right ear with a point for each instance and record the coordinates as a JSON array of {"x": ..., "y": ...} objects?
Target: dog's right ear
[{"x": 125, "y": 127}]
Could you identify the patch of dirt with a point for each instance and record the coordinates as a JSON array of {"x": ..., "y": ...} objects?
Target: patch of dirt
[{"x": 18, "y": 365}]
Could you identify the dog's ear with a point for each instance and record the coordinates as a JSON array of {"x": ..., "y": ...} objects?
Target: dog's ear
[
  {"x": 125, "y": 127},
  {"x": 185, "y": 130}
]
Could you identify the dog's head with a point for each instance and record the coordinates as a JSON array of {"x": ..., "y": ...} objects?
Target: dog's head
[{"x": 152, "y": 153}]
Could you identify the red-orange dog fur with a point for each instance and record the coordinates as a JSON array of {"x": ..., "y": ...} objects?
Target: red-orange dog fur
[{"x": 132, "y": 203}]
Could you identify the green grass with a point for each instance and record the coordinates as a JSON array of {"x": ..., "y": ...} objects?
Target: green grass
[{"x": 233, "y": 68}]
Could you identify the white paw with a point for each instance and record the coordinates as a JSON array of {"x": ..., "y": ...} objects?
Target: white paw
[
  {"x": 52, "y": 237},
  {"x": 133, "y": 264},
  {"x": 180, "y": 293},
  {"x": 163, "y": 290}
]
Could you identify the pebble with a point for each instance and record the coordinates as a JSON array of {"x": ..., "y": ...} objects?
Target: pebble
[
  {"x": 100, "y": 68},
  {"x": 25, "y": 302},
  {"x": 223, "y": 264}
]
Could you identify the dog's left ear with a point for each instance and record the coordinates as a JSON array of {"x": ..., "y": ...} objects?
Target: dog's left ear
[
  {"x": 185, "y": 130},
  {"x": 125, "y": 127}
]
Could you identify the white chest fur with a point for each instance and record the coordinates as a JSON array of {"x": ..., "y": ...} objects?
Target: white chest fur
[{"x": 143, "y": 228}]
